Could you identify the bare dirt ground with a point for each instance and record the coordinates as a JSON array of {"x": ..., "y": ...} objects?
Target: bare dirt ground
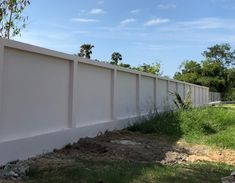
[
  {"x": 199, "y": 153},
  {"x": 135, "y": 147},
  {"x": 132, "y": 147}
]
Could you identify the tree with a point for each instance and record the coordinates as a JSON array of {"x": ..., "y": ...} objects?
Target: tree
[
  {"x": 125, "y": 65},
  {"x": 213, "y": 68},
  {"x": 215, "y": 71},
  {"x": 190, "y": 66},
  {"x": 115, "y": 58},
  {"x": 11, "y": 19},
  {"x": 86, "y": 50},
  {"x": 187, "y": 77},
  {"x": 153, "y": 68},
  {"x": 222, "y": 53}
]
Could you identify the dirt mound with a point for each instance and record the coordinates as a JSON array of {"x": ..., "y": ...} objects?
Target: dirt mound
[{"x": 125, "y": 145}]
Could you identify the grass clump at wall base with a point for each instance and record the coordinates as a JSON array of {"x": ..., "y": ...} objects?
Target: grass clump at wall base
[
  {"x": 165, "y": 123},
  {"x": 210, "y": 125}
]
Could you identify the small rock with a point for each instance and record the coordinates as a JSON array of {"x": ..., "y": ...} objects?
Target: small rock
[
  {"x": 13, "y": 174},
  {"x": 229, "y": 179},
  {"x": 233, "y": 173},
  {"x": 17, "y": 170},
  {"x": 125, "y": 142}
]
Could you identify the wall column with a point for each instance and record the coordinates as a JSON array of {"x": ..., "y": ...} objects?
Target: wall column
[
  {"x": 113, "y": 94},
  {"x": 167, "y": 92},
  {"x": 155, "y": 92},
  {"x": 74, "y": 94},
  {"x": 184, "y": 91},
  {"x": 138, "y": 90},
  {"x": 1, "y": 76}
]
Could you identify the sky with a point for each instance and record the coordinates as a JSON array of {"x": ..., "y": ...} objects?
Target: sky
[{"x": 143, "y": 31}]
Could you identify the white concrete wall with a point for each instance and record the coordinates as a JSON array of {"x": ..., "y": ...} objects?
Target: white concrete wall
[
  {"x": 214, "y": 97},
  {"x": 94, "y": 89},
  {"x": 126, "y": 103},
  {"x": 49, "y": 99},
  {"x": 35, "y": 94},
  {"x": 162, "y": 94},
  {"x": 147, "y": 102},
  {"x": 172, "y": 89}
]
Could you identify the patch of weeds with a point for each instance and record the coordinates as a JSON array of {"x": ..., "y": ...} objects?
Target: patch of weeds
[
  {"x": 166, "y": 123},
  {"x": 210, "y": 125}
]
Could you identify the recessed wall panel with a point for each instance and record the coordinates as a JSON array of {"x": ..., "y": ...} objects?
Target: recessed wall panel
[
  {"x": 35, "y": 94},
  {"x": 126, "y": 91},
  {"x": 162, "y": 103},
  {"x": 172, "y": 90},
  {"x": 94, "y": 94},
  {"x": 147, "y": 94}
]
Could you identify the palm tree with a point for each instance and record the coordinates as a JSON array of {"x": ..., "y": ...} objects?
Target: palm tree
[
  {"x": 86, "y": 50},
  {"x": 116, "y": 56}
]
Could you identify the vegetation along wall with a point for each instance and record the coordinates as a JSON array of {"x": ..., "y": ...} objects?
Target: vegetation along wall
[{"x": 49, "y": 99}]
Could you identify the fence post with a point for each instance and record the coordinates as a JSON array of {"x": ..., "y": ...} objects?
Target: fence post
[
  {"x": 200, "y": 95},
  {"x": 113, "y": 94},
  {"x": 1, "y": 76},
  {"x": 167, "y": 91},
  {"x": 155, "y": 92},
  {"x": 205, "y": 102},
  {"x": 203, "y": 96},
  {"x": 74, "y": 94},
  {"x": 208, "y": 95},
  {"x": 177, "y": 87},
  {"x": 195, "y": 95},
  {"x": 184, "y": 90},
  {"x": 138, "y": 93}
]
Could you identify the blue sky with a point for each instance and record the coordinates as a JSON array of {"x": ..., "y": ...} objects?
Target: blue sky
[{"x": 166, "y": 31}]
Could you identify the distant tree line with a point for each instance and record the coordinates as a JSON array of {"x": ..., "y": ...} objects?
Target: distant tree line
[
  {"x": 116, "y": 59},
  {"x": 215, "y": 71}
]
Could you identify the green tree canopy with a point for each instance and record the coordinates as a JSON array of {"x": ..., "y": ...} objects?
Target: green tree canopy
[
  {"x": 190, "y": 66},
  {"x": 11, "y": 19},
  {"x": 86, "y": 50},
  {"x": 115, "y": 58},
  {"x": 154, "y": 68},
  {"x": 215, "y": 71},
  {"x": 222, "y": 53}
]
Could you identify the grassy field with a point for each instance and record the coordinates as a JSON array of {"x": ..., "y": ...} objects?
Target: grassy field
[
  {"x": 123, "y": 172},
  {"x": 214, "y": 126}
]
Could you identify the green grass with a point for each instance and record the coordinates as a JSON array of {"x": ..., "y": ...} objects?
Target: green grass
[
  {"x": 232, "y": 106},
  {"x": 214, "y": 126},
  {"x": 123, "y": 172}
]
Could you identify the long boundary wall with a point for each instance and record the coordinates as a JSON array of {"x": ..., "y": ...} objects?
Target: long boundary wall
[{"x": 49, "y": 99}]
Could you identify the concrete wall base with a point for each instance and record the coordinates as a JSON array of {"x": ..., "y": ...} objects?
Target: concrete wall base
[{"x": 25, "y": 148}]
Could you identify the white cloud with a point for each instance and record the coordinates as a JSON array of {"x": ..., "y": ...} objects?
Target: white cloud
[
  {"x": 84, "y": 20},
  {"x": 97, "y": 11},
  {"x": 100, "y": 2},
  {"x": 156, "y": 21},
  {"x": 127, "y": 21},
  {"x": 221, "y": 1},
  {"x": 208, "y": 23},
  {"x": 136, "y": 11},
  {"x": 166, "y": 6}
]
